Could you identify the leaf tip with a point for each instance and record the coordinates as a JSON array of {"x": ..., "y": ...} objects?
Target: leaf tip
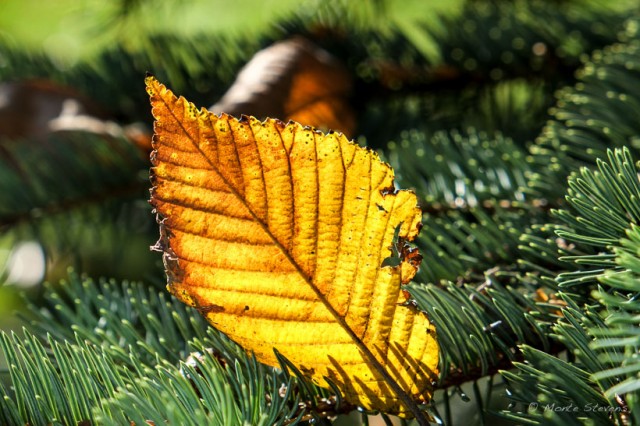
[{"x": 151, "y": 83}]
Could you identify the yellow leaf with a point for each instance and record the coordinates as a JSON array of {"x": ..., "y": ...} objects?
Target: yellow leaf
[{"x": 277, "y": 234}]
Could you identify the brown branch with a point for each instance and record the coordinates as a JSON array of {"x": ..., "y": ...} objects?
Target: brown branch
[
  {"x": 489, "y": 206},
  {"x": 457, "y": 376},
  {"x": 395, "y": 79},
  {"x": 325, "y": 409},
  {"x": 127, "y": 190}
]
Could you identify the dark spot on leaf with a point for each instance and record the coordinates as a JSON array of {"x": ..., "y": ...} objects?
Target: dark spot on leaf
[{"x": 210, "y": 308}]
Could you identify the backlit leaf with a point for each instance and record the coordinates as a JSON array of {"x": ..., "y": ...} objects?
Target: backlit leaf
[{"x": 278, "y": 233}]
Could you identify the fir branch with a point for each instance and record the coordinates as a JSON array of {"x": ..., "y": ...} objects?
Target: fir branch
[
  {"x": 492, "y": 324},
  {"x": 133, "y": 342},
  {"x": 463, "y": 168},
  {"x": 469, "y": 171},
  {"x": 127, "y": 191},
  {"x": 545, "y": 381},
  {"x": 462, "y": 246},
  {"x": 591, "y": 117},
  {"x": 59, "y": 386},
  {"x": 615, "y": 340},
  {"x": 602, "y": 209},
  {"x": 599, "y": 347},
  {"x": 72, "y": 188}
]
